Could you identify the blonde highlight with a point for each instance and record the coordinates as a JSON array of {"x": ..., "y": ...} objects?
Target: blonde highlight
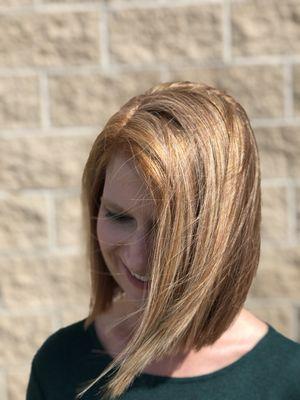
[{"x": 195, "y": 149}]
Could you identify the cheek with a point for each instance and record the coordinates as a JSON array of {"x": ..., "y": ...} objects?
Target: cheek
[
  {"x": 110, "y": 234},
  {"x": 105, "y": 234}
]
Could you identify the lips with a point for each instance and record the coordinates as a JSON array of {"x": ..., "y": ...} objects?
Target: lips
[{"x": 136, "y": 282}]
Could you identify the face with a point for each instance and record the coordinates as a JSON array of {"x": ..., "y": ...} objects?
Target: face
[{"x": 125, "y": 239}]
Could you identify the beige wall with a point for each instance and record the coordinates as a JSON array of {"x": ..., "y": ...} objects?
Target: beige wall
[{"x": 65, "y": 67}]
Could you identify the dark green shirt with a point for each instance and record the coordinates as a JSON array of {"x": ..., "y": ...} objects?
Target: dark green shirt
[{"x": 71, "y": 355}]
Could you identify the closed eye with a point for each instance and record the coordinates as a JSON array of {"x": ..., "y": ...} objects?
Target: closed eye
[{"x": 118, "y": 217}]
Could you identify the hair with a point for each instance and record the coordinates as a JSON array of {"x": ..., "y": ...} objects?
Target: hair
[{"x": 195, "y": 149}]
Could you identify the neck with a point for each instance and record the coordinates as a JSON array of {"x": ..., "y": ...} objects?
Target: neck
[{"x": 123, "y": 315}]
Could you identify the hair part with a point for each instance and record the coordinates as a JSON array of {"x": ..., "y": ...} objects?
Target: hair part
[{"x": 196, "y": 151}]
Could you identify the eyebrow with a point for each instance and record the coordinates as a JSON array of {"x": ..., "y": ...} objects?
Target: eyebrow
[{"x": 112, "y": 204}]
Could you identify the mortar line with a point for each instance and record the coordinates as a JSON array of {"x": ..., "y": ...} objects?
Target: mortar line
[
  {"x": 104, "y": 39},
  {"x": 288, "y": 90},
  {"x": 44, "y": 101},
  {"x": 117, "y": 68},
  {"x": 51, "y": 219},
  {"x": 292, "y": 213},
  {"x": 227, "y": 32}
]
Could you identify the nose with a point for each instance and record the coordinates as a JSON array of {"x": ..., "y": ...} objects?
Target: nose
[{"x": 136, "y": 251}]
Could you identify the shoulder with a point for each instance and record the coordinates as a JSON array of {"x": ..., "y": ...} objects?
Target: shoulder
[
  {"x": 281, "y": 346},
  {"x": 285, "y": 358},
  {"x": 61, "y": 346},
  {"x": 60, "y": 363},
  {"x": 285, "y": 344}
]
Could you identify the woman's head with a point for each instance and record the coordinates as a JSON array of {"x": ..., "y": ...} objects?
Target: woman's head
[{"x": 192, "y": 157}]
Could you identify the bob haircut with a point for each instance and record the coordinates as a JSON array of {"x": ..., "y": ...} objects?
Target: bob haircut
[{"x": 196, "y": 151}]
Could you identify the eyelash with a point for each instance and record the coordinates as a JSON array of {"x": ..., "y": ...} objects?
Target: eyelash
[{"x": 117, "y": 217}]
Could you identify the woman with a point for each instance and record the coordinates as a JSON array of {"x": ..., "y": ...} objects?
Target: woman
[{"x": 172, "y": 205}]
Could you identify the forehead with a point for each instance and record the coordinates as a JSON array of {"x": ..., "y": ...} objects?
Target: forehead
[{"x": 124, "y": 183}]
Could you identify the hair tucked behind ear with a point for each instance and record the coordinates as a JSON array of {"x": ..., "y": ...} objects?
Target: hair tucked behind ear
[{"x": 194, "y": 146}]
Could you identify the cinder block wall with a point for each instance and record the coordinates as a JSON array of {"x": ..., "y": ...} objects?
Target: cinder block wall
[{"x": 65, "y": 67}]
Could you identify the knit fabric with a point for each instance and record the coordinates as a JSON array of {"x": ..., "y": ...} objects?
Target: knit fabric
[{"x": 72, "y": 356}]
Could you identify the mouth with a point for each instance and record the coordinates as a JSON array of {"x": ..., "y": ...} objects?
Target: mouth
[{"x": 135, "y": 281}]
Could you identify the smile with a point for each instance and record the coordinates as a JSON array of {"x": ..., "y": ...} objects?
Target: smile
[{"x": 135, "y": 279}]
